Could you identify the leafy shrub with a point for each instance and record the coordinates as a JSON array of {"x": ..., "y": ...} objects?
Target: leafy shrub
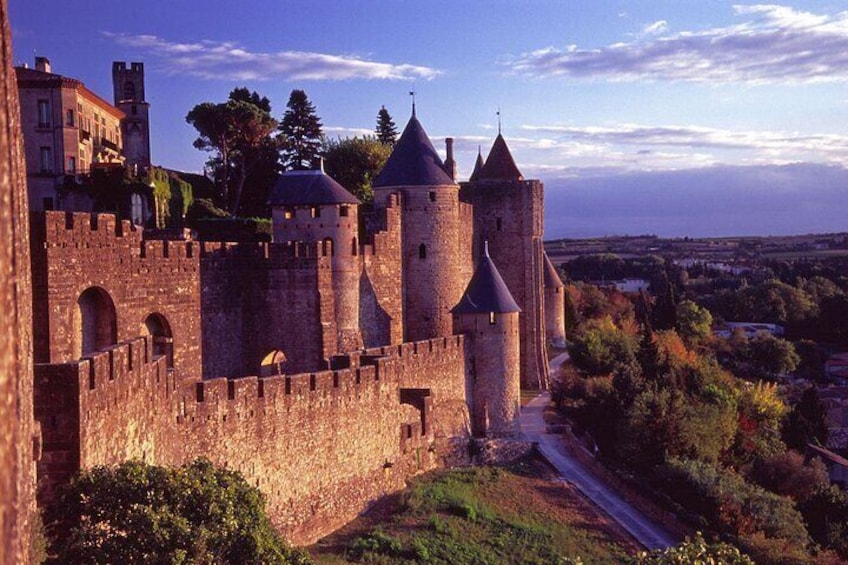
[
  {"x": 139, "y": 513},
  {"x": 730, "y": 504},
  {"x": 696, "y": 551}
]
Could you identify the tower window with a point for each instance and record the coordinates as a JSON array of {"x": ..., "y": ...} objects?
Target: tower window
[
  {"x": 69, "y": 118},
  {"x": 343, "y": 211},
  {"x": 491, "y": 318},
  {"x": 288, "y": 214},
  {"x": 316, "y": 212},
  {"x": 422, "y": 251},
  {"x": 432, "y": 196},
  {"x": 72, "y": 164}
]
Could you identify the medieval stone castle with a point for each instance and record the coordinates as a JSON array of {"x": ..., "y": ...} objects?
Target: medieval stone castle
[{"x": 327, "y": 366}]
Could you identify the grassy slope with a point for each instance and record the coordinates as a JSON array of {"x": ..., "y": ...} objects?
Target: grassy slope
[{"x": 481, "y": 516}]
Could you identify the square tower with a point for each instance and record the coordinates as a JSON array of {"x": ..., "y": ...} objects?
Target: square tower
[{"x": 128, "y": 84}]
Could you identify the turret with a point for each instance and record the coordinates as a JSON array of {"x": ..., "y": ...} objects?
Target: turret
[
  {"x": 554, "y": 305},
  {"x": 488, "y": 316},
  {"x": 435, "y": 233},
  {"x": 311, "y": 206},
  {"x": 509, "y": 214}
]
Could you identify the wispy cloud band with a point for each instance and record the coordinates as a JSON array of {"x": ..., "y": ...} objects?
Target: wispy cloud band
[
  {"x": 774, "y": 44},
  {"x": 230, "y": 61}
]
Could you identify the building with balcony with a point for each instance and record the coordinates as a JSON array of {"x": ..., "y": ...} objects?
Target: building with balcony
[{"x": 68, "y": 132}]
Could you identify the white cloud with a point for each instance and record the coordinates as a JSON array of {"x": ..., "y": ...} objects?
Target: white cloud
[
  {"x": 774, "y": 44},
  {"x": 774, "y": 146},
  {"x": 230, "y": 61},
  {"x": 656, "y": 28}
]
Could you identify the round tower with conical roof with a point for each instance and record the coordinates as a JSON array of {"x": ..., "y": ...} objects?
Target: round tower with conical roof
[
  {"x": 554, "y": 304},
  {"x": 310, "y": 206},
  {"x": 435, "y": 233},
  {"x": 509, "y": 214},
  {"x": 487, "y": 315}
]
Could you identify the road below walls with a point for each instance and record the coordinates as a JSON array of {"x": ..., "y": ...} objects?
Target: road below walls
[{"x": 642, "y": 528}]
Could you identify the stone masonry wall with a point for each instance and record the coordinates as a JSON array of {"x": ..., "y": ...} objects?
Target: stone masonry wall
[
  {"x": 257, "y": 298},
  {"x": 73, "y": 252},
  {"x": 509, "y": 214},
  {"x": 321, "y": 446},
  {"x": 380, "y": 284},
  {"x": 18, "y": 434}
]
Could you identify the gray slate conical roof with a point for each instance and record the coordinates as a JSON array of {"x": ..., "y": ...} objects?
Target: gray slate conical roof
[
  {"x": 478, "y": 164},
  {"x": 308, "y": 188},
  {"x": 552, "y": 279},
  {"x": 487, "y": 291},
  {"x": 414, "y": 161},
  {"x": 499, "y": 164}
]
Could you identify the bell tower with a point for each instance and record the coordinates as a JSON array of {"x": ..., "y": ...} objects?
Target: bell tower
[{"x": 128, "y": 84}]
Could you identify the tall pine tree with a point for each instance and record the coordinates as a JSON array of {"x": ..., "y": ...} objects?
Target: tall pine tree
[
  {"x": 386, "y": 129},
  {"x": 300, "y": 133}
]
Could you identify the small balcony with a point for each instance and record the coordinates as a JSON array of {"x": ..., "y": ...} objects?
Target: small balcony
[{"x": 84, "y": 136}]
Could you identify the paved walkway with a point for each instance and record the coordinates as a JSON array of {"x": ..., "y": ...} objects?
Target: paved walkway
[{"x": 646, "y": 532}]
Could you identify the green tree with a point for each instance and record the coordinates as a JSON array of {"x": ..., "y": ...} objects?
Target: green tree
[
  {"x": 354, "y": 162},
  {"x": 236, "y": 130},
  {"x": 300, "y": 133},
  {"x": 602, "y": 347},
  {"x": 386, "y": 130},
  {"x": 771, "y": 356},
  {"x": 139, "y": 513},
  {"x": 694, "y": 323},
  {"x": 807, "y": 422}
]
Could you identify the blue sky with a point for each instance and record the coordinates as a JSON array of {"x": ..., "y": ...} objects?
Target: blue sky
[{"x": 587, "y": 89}]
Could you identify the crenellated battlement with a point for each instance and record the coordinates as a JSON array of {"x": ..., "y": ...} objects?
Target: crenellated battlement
[{"x": 287, "y": 255}]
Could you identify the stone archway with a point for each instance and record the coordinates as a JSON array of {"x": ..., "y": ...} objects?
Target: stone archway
[
  {"x": 157, "y": 327},
  {"x": 95, "y": 322}
]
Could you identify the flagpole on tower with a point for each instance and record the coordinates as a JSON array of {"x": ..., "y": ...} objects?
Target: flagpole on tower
[{"x": 412, "y": 93}]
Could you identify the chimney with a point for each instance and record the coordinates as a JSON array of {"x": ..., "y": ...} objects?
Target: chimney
[
  {"x": 450, "y": 164},
  {"x": 42, "y": 64}
]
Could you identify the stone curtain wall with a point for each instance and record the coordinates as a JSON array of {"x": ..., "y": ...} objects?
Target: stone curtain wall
[
  {"x": 73, "y": 252},
  {"x": 321, "y": 446},
  {"x": 18, "y": 436},
  {"x": 257, "y": 298},
  {"x": 380, "y": 284}
]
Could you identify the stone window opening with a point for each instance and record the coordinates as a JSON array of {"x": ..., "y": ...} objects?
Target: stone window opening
[
  {"x": 432, "y": 196},
  {"x": 327, "y": 246},
  {"x": 422, "y": 251},
  {"x": 343, "y": 211},
  {"x": 156, "y": 326},
  {"x": 491, "y": 318},
  {"x": 95, "y": 322},
  {"x": 315, "y": 211},
  {"x": 69, "y": 118},
  {"x": 354, "y": 248},
  {"x": 288, "y": 213}
]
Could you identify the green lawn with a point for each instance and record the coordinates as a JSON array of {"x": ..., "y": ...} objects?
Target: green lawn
[{"x": 481, "y": 515}]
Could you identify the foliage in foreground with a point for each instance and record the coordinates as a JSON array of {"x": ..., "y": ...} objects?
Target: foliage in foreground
[
  {"x": 695, "y": 551},
  {"x": 139, "y": 513}
]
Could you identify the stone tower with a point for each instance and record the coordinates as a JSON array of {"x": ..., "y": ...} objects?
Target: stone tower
[
  {"x": 435, "y": 233},
  {"x": 19, "y": 437},
  {"x": 508, "y": 213},
  {"x": 128, "y": 84},
  {"x": 311, "y": 206},
  {"x": 489, "y": 317},
  {"x": 554, "y": 304}
]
